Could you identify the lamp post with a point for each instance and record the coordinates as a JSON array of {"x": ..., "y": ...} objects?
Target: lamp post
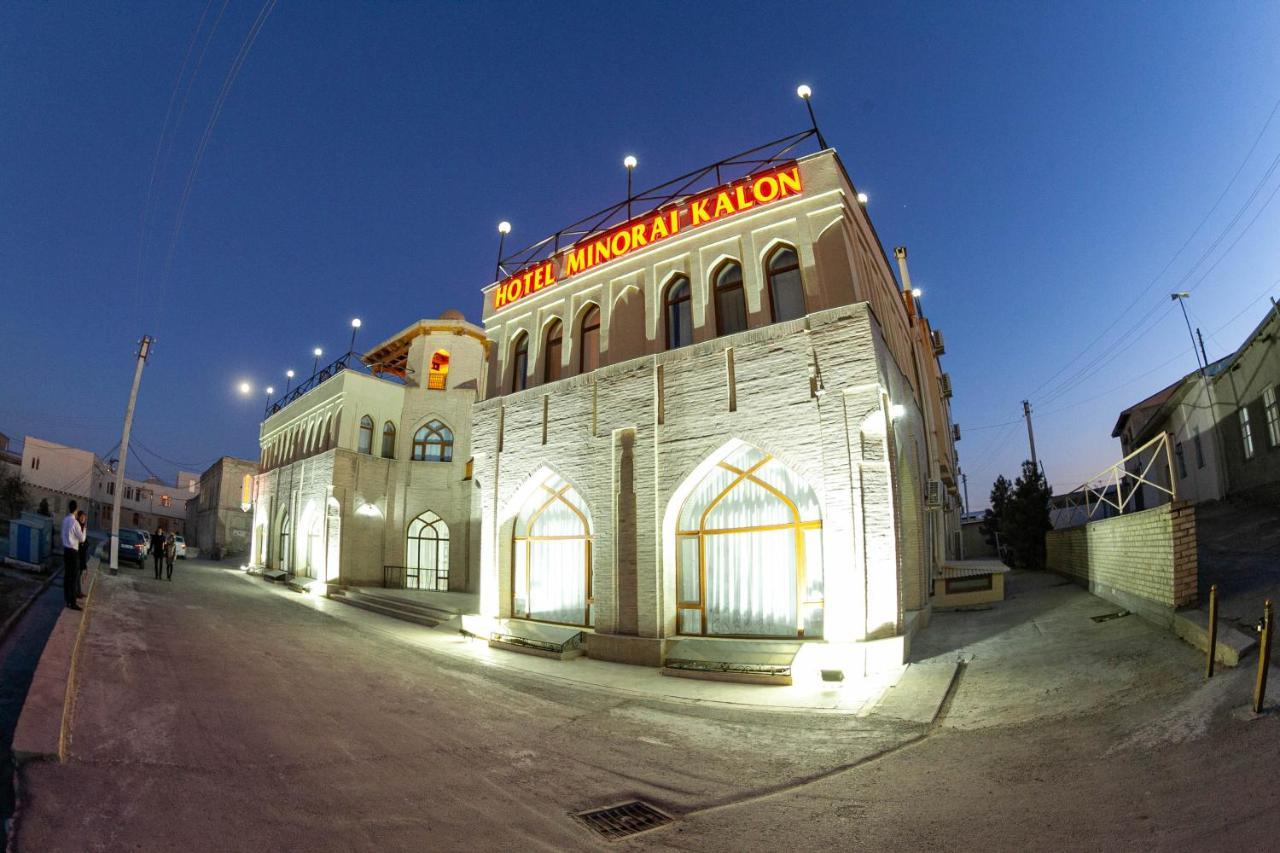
[
  {"x": 1179, "y": 298},
  {"x": 630, "y": 162},
  {"x": 504, "y": 228},
  {"x": 863, "y": 198},
  {"x": 805, "y": 94},
  {"x": 355, "y": 327},
  {"x": 315, "y": 366},
  {"x": 269, "y": 391},
  {"x": 288, "y": 382}
]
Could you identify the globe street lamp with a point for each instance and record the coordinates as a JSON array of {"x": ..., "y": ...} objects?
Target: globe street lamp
[
  {"x": 504, "y": 228},
  {"x": 355, "y": 326},
  {"x": 630, "y": 162},
  {"x": 317, "y": 352},
  {"x": 806, "y": 94},
  {"x": 288, "y": 382}
]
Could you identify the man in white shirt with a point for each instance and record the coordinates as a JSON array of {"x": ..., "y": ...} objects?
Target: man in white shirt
[{"x": 72, "y": 536}]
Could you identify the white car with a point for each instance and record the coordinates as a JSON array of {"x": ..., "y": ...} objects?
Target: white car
[{"x": 180, "y": 547}]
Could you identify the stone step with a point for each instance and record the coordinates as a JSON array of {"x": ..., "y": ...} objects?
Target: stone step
[
  {"x": 403, "y": 614},
  {"x": 439, "y": 612},
  {"x": 1232, "y": 646}
]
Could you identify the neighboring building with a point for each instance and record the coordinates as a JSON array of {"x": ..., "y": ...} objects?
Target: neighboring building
[
  {"x": 10, "y": 461},
  {"x": 723, "y": 418},
  {"x": 1223, "y": 428},
  {"x": 366, "y": 478},
  {"x": 218, "y": 520},
  {"x": 60, "y": 474}
]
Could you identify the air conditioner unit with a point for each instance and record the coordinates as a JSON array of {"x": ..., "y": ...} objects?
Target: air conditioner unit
[
  {"x": 955, "y": 432},
  {"x": 939, "y": 347},
  {"x": 935, "y": 495},
  {"x": 944, "y": 382}
]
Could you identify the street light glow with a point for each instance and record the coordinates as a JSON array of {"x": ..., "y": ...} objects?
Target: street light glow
[
  {"x": 917, "y": 292},
  {"x": 804, "y": 91},
  {"x": 270, "y": 390},
  {"x": 317, "y": 352},
  {"x": 355, "y": 324},
  {"x": 289, "y": 373},
  {"x": 629, "y": 161},
  {"x": 245, "y": 387},
  {"x": 863, "y": 198},
  {"x": 504, "y": 227}
]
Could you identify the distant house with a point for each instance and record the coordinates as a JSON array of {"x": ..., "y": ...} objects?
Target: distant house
[
  {"x": 218, "y": 520},
  {"x": 1223, "y": 427}
]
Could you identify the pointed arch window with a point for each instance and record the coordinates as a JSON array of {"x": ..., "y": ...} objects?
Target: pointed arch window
[
  {"x": 366, "y": 435},
  {"x": 589, "y": 340},
  {"x": 426, "y": 556},
  {"x": 678, "y": 312},
  {"x": 388, "y": 440},
  {"x": 554, "y": 352},
  {"x": 433, "y": 442},
  {"x": 749, "y": 552},
  {"x": 551, "y": 565},
  {"x": 731, "y": 299},
  {"x": 520, "y": 363},
  {"x": 786, "y": 289}
]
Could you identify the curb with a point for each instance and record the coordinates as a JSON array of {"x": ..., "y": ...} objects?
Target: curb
[
  {"x": 51, "y": 697},
  {"x": 22, "y": 608}
]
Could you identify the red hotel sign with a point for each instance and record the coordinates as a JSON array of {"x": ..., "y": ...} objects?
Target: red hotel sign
[{"x": 711, "y": 206}]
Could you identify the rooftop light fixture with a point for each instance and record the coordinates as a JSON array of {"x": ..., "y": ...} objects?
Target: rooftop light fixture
[
  {"x": 630, "y": 162},
  {"x": 355, "y": 326},
  {"x": 863, "y": 198},
  {"x": 806, "y": 95}
]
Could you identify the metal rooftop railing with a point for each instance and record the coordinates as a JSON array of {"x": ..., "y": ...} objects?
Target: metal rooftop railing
[
  {"x": 732, "y": 168},
  {"x": 341, "y": 363}
]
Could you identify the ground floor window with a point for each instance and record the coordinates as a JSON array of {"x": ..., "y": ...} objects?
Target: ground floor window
[
  {"x": 427, "y": 553},
  {"x": 285, "y": 540},
  {"x": 551, "y": 562},
  {"x": 749, "y": 552}
]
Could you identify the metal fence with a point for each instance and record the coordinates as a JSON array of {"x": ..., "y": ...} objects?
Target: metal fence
[{"x": 1119, "y": 486}]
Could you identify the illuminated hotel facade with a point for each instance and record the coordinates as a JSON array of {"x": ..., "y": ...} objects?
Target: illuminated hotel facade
[{"x": 723, "y": 418}]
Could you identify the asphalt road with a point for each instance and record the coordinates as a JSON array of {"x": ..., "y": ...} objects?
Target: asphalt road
[{"x": 214, "y": 714}]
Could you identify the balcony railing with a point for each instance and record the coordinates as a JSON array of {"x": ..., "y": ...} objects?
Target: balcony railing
[{"x": 347, "y": 361}]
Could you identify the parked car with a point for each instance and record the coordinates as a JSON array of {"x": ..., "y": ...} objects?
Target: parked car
[
  {"x": 132, "y": 547},
  {"x": 145, "y": 537},
  {"x": 180, "y": 547}
]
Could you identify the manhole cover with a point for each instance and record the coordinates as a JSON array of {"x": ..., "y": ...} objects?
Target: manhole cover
[
  {"x": 1107, "y": 617},
  {"x": 625, "y": 819}
]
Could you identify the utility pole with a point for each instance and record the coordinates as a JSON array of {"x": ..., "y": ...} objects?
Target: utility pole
[
  {"x": 1031, "y": 436},
  {"x": 964, "y": 478},
  {"x": 1203, "y": 355},
  {"x": 144, "y": 350}
]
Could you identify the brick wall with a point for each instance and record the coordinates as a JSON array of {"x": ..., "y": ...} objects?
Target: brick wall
[{"x": 1145, "y": 561}]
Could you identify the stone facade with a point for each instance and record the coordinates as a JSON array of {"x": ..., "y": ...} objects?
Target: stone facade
[
  {"x": 218, "y": 522},
  {"x": 328, "y": 509},
  {"x": 1144, "y": 561},
  {"x": 849, "y": 397}
]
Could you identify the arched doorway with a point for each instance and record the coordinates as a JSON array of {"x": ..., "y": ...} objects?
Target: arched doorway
[
  {"x": 426, "y": 555},
  {"x": 749, "y": 552},
  {"x": 286, "y": 541},
  {"x": 333, "y": 538},
  {"x": 551, "y": 561}
]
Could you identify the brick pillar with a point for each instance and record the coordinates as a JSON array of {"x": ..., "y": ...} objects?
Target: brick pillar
[
  {"x": 1185, "y": 563},
  {"x": 624, "y": 540}
]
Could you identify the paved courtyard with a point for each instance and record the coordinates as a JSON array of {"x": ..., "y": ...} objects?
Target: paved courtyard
[{"x": 219, "y": 713}]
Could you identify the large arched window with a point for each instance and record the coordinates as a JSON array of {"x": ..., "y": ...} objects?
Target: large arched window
[
  {"x": 678, "y": 312},
  {"x": 520, "y": 363},
  {"x": 426, "y": 556},
  {"x": 786, "y": 290},
  {"x": 438, "y": 374},
  {"x": 749, "y": 552},
  {"x": 589, "y": 340},
  {"x": 285, "y": 539},
  {"x": 731, "y": 300},
  {"x": 366, "y": 435},
  {"x": 388, "y": 440},
  {"x": 554, "y": 351},
  {"x": 433, "y": 442},
  {"x": 551, "y": 563}
]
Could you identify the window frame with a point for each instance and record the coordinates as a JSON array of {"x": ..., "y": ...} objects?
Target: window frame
[
  {"x": 591, "y": 312},
  {"x": 670, "y": 305},
  {"x": 770, "y": 274},
  {"x": 1271, "y": 412},
  {"x": 520, "y": 363},
  {"x": 364, "y": 435},
  {"x": 721, "y": 288},
  {"x": 553, "y": 352},
  {"x": 388, "y": 431},
  {"x": 1246, "y": 433},
  {"x": 423, "y": 441}
]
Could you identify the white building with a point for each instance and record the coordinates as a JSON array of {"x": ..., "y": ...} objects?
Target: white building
[
  {"x": 723, "y": 418},
  {"x": 60, "y": 474},
  {"x": 366, "y": 478}
]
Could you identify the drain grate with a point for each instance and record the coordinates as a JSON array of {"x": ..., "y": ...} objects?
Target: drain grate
[
  {"x": 624, "y": 819},
  {"x": 1107, "y": 617}
]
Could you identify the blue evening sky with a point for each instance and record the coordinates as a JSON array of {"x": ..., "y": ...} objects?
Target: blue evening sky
[{"x": 1044, "y": 163}]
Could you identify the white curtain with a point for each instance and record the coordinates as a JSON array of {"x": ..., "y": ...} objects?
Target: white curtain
[
  {"x": 558, "y": 567},
  {"x": 751, "y": 583}
]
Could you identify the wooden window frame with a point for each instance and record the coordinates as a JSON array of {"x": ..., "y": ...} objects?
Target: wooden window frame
[
  {"x": 669, "y": 304},
  {"x": 770, "y": 273},
  {"x": 553, "y": 352},
  {"x": 592, "y": 313},
  {"x": 722, "y": 288}
]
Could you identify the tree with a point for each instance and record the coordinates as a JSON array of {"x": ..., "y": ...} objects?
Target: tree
[
  {"x": 44, "y": 507},
  {"x": 1026, "y": 518},
  {"x": 991, "y": 519},
  {"x": 13, "y": 495}
]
